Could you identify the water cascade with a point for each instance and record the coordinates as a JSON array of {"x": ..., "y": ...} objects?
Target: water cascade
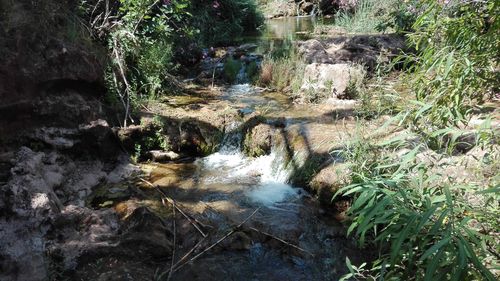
[{"x": 265, "y": 177}]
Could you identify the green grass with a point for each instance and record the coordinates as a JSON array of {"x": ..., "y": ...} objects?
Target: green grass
[{"x": 368, "y": 17}]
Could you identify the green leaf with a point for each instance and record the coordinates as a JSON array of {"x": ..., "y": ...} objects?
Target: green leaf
[{"x": 435, "y": 248}]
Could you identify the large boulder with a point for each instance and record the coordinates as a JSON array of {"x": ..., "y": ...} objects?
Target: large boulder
[
  {"x": 331, "y": 79},
  {"x": 366, "y": 50}
]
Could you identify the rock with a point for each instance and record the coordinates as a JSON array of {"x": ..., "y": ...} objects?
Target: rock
[
  {"x": 258, "y": 141},
  {"x": 42, "y": 214},
  {"x": 81, "y": 232},
  {"x": 329, "y": 180},
  {"x": 245, "y": 48},
  {"x": 98, "y": 138},
  {"x": 238, "y": 241},
  {"x": 189, "y": 135},
  {"x": 313, "y": 51},
  {"x": 366, "y": 50},
  {"x": 146, "y": 234},
  {"x": 162, "y": 156},
  {"x": 331, "y": 79},
  {"x": 306, "y": 7},
  {"x": 281, "y": 8}
]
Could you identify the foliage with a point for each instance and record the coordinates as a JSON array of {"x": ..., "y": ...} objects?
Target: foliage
[
  {"x": 220, "y": 22},
  {"x": 423, "y": 223},
  {"x": 139, "y": 35},
  {"x": 231, "y": 69},
  {"x": 368, "y": 16},
  {"x": 455, "y": 67},
  {"x": 400, "y": 17},
  {"x": 383, "y": 94},
  {"x": 282, "y": 69},
  {"x": 146, "y": 37}
]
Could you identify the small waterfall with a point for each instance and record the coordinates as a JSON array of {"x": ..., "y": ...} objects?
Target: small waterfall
[
  {"x": 231, "y": 143},
  {"x": 242, "y": 76},
  {"x": 266, "y": 176}
]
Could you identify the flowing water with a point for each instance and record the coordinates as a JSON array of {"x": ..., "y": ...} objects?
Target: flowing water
[{"x": 227, "y": 186}]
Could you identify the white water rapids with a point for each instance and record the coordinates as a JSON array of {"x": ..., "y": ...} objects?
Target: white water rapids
[{"x": 266, "y": 174}]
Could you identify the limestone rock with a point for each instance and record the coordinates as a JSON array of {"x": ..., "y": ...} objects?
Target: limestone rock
[
  {"x": 313, "y": 51},
  {"x": 146, "y": 233},
  {"x": 162, "y": 156},
  {"x": 258, "y": 141},
  {"x": 329, "y": 180},
  {"x": 332, "y": 79}
]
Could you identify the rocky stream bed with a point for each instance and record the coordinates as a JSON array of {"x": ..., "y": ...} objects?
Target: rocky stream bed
[{"x": 238, "y": 195}]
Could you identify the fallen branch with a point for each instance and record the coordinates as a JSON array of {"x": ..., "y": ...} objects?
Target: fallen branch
[
  {"x": 175, "y": 242},
  {"x": 174, "y": 268},
  {"x": 219, "y": 241},
  {"x": 171, "y": 201},
  {"x": 281, "y": 240}
]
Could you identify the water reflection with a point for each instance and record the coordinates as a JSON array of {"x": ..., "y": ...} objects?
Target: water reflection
[
  {"x": 288, "y": 28},
  {"x": 281, "y": 33}
]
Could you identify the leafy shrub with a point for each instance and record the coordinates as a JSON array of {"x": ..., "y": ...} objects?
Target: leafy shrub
[
  {"x": 454, "y": 69},
  {"x": 282, "y": 69},
  {"x": 367, "y": 16},
  {"x": 145, "y": 36},
  {"x": 220, "y": 22},
  {"x": 426, "y": 227}
]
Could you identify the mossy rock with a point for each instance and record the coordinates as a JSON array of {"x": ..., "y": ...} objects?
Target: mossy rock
[{"x": 259, "y": 140}]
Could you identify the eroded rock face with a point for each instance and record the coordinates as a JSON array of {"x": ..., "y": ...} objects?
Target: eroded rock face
[
  {"x": 291, "y": 8},
  {"x": 47, "y": 78},
  {"x": 43, "y": 213}
]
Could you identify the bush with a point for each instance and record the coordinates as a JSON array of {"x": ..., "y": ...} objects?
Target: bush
[
  {"x": 145, "y": 36},
  {"x": 424, "y": 225},
  {"x": 455, "y": 67},
  {"x": 221, "y": 22},
  {"x": 368, "y": 16}
]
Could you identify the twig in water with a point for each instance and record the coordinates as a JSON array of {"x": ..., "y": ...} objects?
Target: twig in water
[
  {"x": 171, "y": 201},
  {"x": 218, "y": 241},
  {"x": 174, "y": 268},
  {"x": 173, "y": 251},
  {"x": 282, "y": 241}
]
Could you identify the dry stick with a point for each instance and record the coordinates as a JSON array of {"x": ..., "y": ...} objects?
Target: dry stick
[
  {"x": 282, "y": 241},
  {"x": 173, "y": 251},
  {"x": 171, "y": 201},
  {"x": 182, "y": 212},
  {"x": 188, "y": 253},
  {"x": 218, "y": 241}
]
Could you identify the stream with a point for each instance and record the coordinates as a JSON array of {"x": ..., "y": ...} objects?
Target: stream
[{"x": 290, "y": 237}]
